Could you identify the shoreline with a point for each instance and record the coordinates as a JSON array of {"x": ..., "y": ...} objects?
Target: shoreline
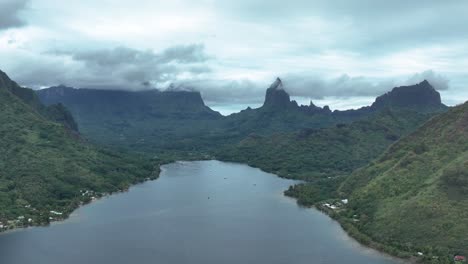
[
  {"x": 372, "y": 245},
  {"x": 83, "y": 204}
]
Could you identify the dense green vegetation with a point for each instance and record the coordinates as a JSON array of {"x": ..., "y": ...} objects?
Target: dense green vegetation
[
  {"x": 54, "y": 112},
  {"x": 323, "y": 153},
  {"x": 154, "y": 121},
  {"x": 323, "y": 157},
  {"x": 310, "y": 193},
  {"x": 47, "y": 170},
  {"x": 145, "y": 121},
  {"x": 414, "y": 196}
]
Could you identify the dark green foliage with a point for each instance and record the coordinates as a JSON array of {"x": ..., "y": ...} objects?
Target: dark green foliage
[
  {"x": 148, "y": 121},
  {"x": 455, "y": 178},
  {"x": 59, "y": 113},
  {"x": 322, "y": 153},
  {"x": 308, "y": 194},
  {"x": 45, "y": 167},
  {"x": 416, "y": 193},
  {"x": 153, "y": 121},
  {"x": 411, "y": 198},
  {"x": 54, "y": 112}
]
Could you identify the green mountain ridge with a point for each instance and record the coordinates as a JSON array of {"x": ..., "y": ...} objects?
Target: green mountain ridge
[
  {"x": 45, "y": 167},
  {"x": 152, "y": 121},
  {"x": 55, "y": 112},
  {"x": 147, "y": 121},
  {"x": 415, "y": 194},
  {"x": 323, "y": 157},
  {"x": 326, "y": 152},
  {"x": 402, "y": 169}
]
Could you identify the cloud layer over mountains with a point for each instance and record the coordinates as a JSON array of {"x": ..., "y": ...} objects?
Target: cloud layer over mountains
[
  {"x": 127, "y": 68},
  {"x": 232, "y": 50}
]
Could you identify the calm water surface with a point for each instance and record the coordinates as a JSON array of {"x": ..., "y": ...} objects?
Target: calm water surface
[{"x": 206, "y": 212}]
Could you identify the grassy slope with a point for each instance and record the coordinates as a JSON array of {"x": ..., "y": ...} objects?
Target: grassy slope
[
  {"x": 416, "y": 194},
  {"x": 45, "y": 165}
]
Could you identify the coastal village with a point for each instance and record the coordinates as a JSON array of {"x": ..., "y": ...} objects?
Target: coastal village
[
  {"x": 34, "y": 217},
  {"x": 336, "y": 207}
]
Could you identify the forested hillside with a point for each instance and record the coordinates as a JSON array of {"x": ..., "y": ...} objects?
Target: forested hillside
[
  {"x": 416, "y": 194},
  {"x": 46, "y": 166}
]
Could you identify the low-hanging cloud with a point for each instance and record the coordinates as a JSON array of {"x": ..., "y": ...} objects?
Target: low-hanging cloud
[
  {"x": 184, "y": 54},
  {"x": 120, "y": 67},
  {"x": 226, "y": 91},
  {"x": 186, "y": 67},
  {"x": 9, "y": 13},
  {"x": 347, "y": 86},
  {"x": 438, "y": 81},
  {"x": 344, "y": 85},
  {"x": 309, "y": 86}
]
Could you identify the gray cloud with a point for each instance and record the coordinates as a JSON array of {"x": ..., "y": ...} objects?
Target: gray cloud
[
  {"x": 346, "y": 86},
  {"x": 184, "y": 54},
  {"x": 314, "y": 87},
  {"x": 131, "y": 69},
  {"x": 9, "y": 10},
  {"x": 438, "y": 81},
  {"x": 374, "y": 45},
  {"x": 222, "y": 91},
  {"x": 127, "y": 56},
  {"x": 117, "y": 68}
]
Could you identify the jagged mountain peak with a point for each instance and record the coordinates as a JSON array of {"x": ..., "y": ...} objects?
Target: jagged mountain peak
[
  {"x": 421, "y": 96},
  {"x": 150, "y": 103},
  {"x": 276, "y": 97},
  {"x": 277, "y": 84},
  {"x": 425, "y": 82},
  {"x": 6, "y": 82}
]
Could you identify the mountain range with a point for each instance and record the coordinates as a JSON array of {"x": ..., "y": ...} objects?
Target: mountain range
[
  {"x": 400, "y": 164},
  {"x": 46, "y": 166},
  {"x": 151, "y": 120}
]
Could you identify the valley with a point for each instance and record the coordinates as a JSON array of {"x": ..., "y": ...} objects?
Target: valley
[{"x": 72, "y": 146}]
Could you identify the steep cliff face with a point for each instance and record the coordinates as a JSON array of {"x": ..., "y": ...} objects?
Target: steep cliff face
[
  {"x": 53, "y": 112},
  {"x": 143, "y": 120},
  {"x": 276, "y": 98},
  {"x": 421, "y": 96},
  {"x": 178, "y": 117},
  {"x": 418, "y": 97},
  {"x": 182, "y": 104}
]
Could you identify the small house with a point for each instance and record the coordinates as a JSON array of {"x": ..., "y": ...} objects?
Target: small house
[{"x": 459, "y": 259}]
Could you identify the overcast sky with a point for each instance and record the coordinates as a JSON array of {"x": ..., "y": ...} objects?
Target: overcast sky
[{"x": 339, "y": 52}]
